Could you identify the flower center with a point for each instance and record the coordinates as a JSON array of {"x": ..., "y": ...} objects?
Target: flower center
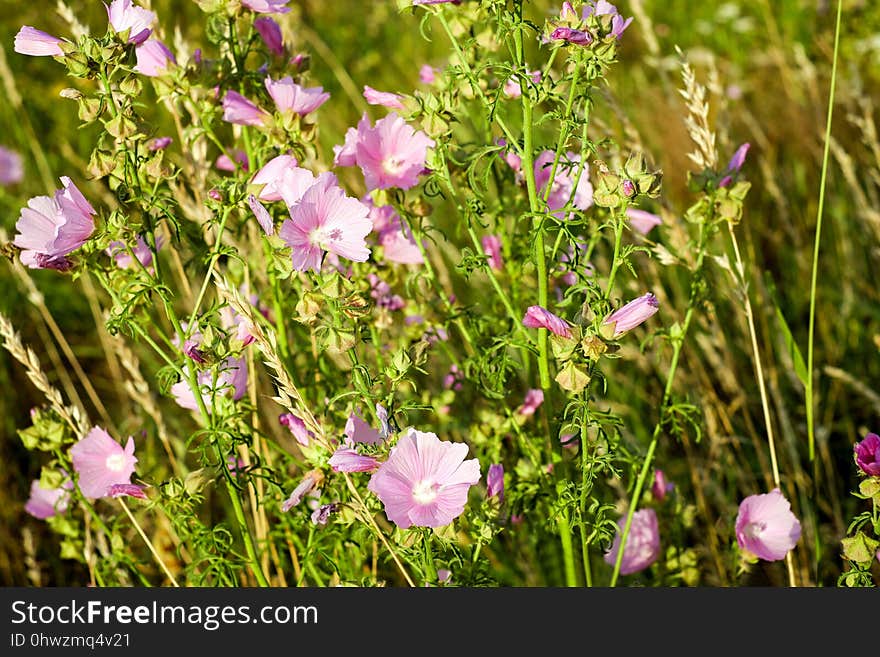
[
  {"x": 115, "y": 463},
  {"x": 755, "y": 529},
  {"x": 393, "y": 165},
  {"x": 425, "y": 491}
]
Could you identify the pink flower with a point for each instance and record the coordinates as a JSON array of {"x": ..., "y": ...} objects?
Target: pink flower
[
  {"x": 495, "y": 481},
  {"x": 153, "y": 58},
  {"x": 321, "y": 515},
  {"x": 11, "y": 170},
  {"x": 231, "y": 379},
  {"x": 642, "y": 543},
  {"x": 492, "y": 249},
  {"x": 296, "y": 427},
  {"x": 512, "y": 88},
  {"x": 50, "y": 228},
  {"x": 661, "y": 486},
  {"x": 416, "y": 3},
  {"x": 126, "y": 490},
  {"x": 390, "y": 154},
  {"x": 277, "y": 184},
  {"x": 604, "y": 8},
  {"x": 397, "y": 242},
  {"x": 867, "y": 455},
  {"x": 358, "y": 431},
  {"x": 735, "y": 164},
  {"x": 631, "y": 315},
  {"x": 571, "y": 35},
  {"x": 346, "y": 155},
  {"x": 325, "y": 219},
  {"x": 238, "y": 109},
  {"x": 262, "y": 215},
  {"x": 766, "y": 527},
  {"x": 159, "y": 143},
  {"x": 642, "y": 221},
  {"x": 244, "y": 329},
  {"x": 47, "y": 502},
  {"x": 538, "y": 317},
  {"x": 225, "y": 163},
  {"x": 563, "y": 190},
  {"x": 428, "y": 74},
  {"x": 425, "y": 481},
  {"x": 533, "y": 400},
  {"x": 30, "y": 41},
  {"x": 347, "y": 459},
  {"x": 141, "y": 250},
  {"x": 384, "y": 98},
  {"x": 101, "y": 462},
  {"x": 289, "y": 97},
  {"x": 306, "y": 486},
  {"x": 267, "y": 6},
  {"x": 136, "y": 20},
  {"x": 271, "y": 33}
]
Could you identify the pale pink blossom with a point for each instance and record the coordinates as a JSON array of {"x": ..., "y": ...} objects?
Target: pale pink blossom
[
  {"x": 492, "y": 248},
  {"x": 232, "y": 378},
  {"x": 532, "y": 402},
  {"x": 101, "y": 462},
  {"x": 326, "y": 220},
  {"x": 766, "y": 527},
  {"x": 30, "y": 41},
  {"x": 297, "y": 428},
  {"x": 271, "y": 175},
  {"x": 359, "y": 431},
  {"x": 512, "y": 87},
  {"x": 142, "y": 251},
  {"x": 267, "y": 6},
  {"x": 642, "y": 221},
  {"x": 384, "y": 98},
  {"x": 563, "y": 191},
  {"x": 642, "y": 543},
  {"x": 11, "y": 169},
  {"x": 631, "y": 315},
  {"x": 291, "y": 98},
  {"x": 47, "y": 502},
  {"x": 126, "y": 490},
  {"x": 52, "y": 227},
  {"x": 123, "y": 15},
  {"x": 347, "y": 459},
  {"x": 159, "y": 143},
  {"x": 428, "y": 74},
  {"x": 425, "y": 481},
  {"x": 306, "y": 486},
  {"x": 238, "y": 109},
  {"x": 153, "y": 58},
  {"x": 661, "y": 486}
]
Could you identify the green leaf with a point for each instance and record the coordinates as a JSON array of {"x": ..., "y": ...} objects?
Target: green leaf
[{"x": 800, "y": 367}]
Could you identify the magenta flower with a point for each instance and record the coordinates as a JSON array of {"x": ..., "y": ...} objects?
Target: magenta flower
[
  {"x": 126, "y": 490},
  {"x": 101, "y": 462},
  {"x": 538, "y": 317},
  {"x": 642, "y": 543},
  {"x": 267, "y": 6},
  {"x": 47, "y": 502},
  {"x": 347, "y": 459},
  {"x": 661, "y": 487},
  {"x": 867, "y": 455},
  {"x": 290, "y": 98},
  {"x": 159, "y": 143},
  {"x": 735, "y": 164},
  {"x": 563, "y": 190},
  {"x": 50, "y": 228},
  {"x": 532, "y": 401},
  {"x": 297, "y": 428},
  {"x": 631, "y": 315},
  {"x": 604, "y": 8},
  {"x": 571, "y": 35},
  {"x": 766, "y": 527},
  {"x": 492, "y": 249},
  {"x": 384, "y": 98},
  {"x": 642, "y": 221},
  {"x": 141, "y": 250},
  {"x": 425, "y": 481},
  {"x": 232, "y": 379},
  {"x": 11, "y": 169},
  {"x": 390, "y": 154},
  {"x": 306, "y": 486},
  {"x": 137, "y": 21},
  {"x": 495, "y": 481},
  {"x": 359, "y": 431},
  {"x": 238, "y": 109},
  {"x": 325, "y": 219},
  {"x": 270, "y": 32},
  {"x": 30, "y": 41},
  {"x": 416, "y": 3},
  {"x": 153, "y": 58}
]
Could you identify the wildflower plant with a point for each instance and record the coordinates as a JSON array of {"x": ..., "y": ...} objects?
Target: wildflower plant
[{"x": 394, "y": 360}]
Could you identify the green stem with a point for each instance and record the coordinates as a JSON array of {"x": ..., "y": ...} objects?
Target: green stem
[
  {"x": 567, "y": 550},
  {"x": 811, "y": 435},
  {"x": 430, "y": 571},
  {"x": 208, "y": 274}
]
